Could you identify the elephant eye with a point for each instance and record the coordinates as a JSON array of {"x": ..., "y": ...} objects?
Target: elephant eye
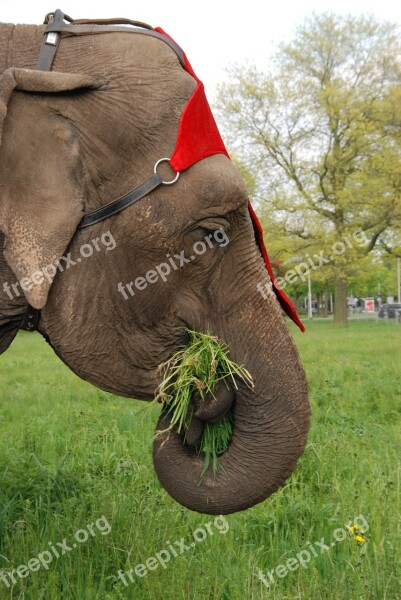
[
  {"x": 209, "y": 233},
  {"x": 211, "y": 225}
]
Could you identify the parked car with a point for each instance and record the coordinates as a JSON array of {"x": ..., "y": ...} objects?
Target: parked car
[{"x": 391, "y": 310}]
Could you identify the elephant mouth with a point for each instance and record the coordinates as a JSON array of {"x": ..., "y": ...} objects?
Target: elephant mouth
[{"x": 209, "y": 408}]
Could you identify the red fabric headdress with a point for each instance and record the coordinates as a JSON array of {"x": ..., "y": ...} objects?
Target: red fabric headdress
[{"x": 199, "y": 137}]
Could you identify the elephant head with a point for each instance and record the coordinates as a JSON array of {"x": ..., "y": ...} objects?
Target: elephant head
[{"x": 183, "y": 257}]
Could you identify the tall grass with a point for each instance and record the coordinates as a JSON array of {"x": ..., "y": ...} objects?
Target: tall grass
[{"x": 70, "y": 453}]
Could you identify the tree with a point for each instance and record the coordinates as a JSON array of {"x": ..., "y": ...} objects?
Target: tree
[{"x": 322, "y": 135}]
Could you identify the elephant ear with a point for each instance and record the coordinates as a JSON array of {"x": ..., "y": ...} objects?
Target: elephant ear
[
  {"x": 42, "y": 176},
  {"x": 12, "y": 306}
]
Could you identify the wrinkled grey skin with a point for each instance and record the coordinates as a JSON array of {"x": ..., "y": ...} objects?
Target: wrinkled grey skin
[{"x": 64, "y": 153}]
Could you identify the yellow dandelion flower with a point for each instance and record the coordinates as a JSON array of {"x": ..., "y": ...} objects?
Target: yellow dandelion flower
[
  {"x": 359, "y": 538},
  {"x": 351, "y": 528}
]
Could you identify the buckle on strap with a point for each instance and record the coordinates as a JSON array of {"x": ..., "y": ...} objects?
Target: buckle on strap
[
  {"x": 51, "y": 38},
  {"x": 31, "y": 319}
]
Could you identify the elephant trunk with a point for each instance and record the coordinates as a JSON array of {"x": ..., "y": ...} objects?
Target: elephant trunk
[{"x": 269, "y": 433}]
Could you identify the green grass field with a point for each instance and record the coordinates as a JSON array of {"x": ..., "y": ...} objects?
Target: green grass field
[{"x": 71, "y": 454}]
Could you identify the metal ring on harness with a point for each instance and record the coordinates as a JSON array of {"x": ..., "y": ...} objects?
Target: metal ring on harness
[{"x": 166, "y": 182}]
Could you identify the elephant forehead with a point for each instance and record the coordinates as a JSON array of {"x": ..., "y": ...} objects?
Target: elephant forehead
[{"x": 214, "y": 183}]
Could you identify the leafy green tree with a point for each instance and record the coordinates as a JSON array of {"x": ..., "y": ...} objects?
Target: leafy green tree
[{"x": 321, "y": 133}]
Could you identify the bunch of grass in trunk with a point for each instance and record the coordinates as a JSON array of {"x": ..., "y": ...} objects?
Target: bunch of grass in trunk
[{"x": 198, "y": 367}]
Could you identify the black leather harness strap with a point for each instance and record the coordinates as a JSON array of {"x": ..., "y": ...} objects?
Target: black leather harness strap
[
  {"x": 50, "y": 44},
  {"x": 31, "y": 319},
  {"x": 86, "y": 27},
  {"x": 112, "y": 208}
]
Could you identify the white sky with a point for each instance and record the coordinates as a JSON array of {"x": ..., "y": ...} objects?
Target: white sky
[{"x": 212, "y": 33}]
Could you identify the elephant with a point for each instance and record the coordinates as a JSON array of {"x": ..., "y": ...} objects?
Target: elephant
[{"x": 84, "y": 133}]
